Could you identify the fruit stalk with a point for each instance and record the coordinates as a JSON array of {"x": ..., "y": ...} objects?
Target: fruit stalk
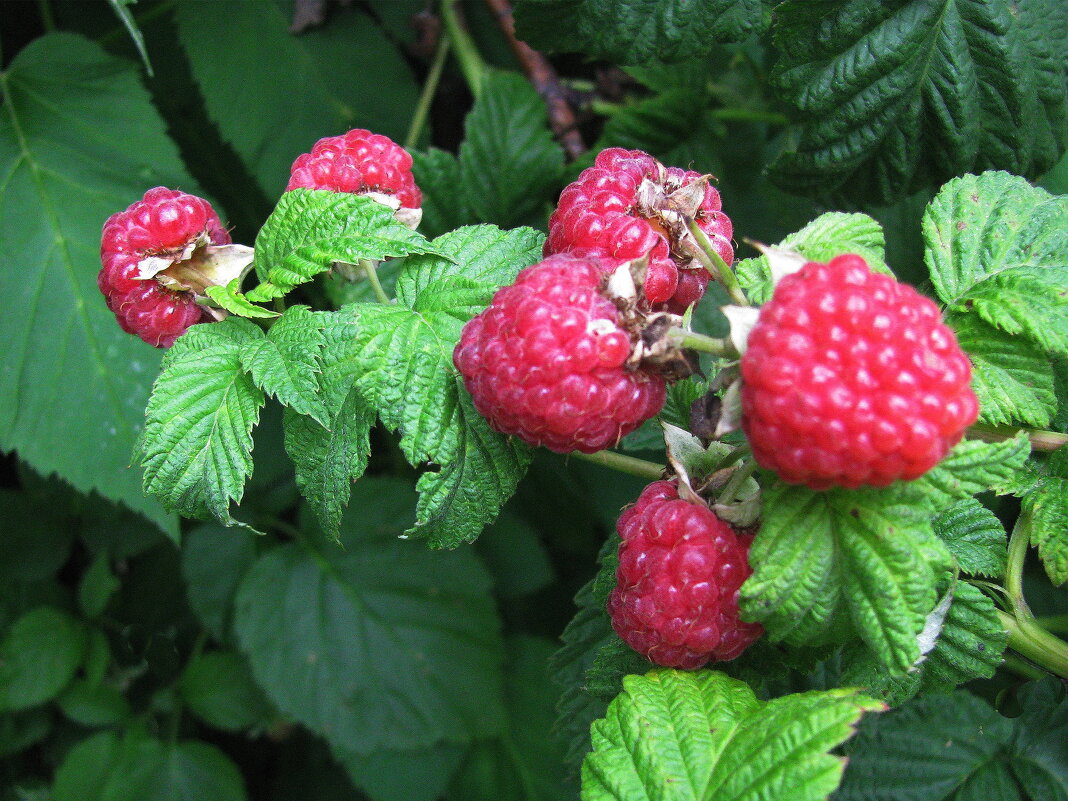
[
  {"x": 714, "y": 264},
  {"x": 624, "y": 464}
]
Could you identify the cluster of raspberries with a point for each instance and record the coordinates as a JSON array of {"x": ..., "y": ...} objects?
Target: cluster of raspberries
[
  {"x": 552, "y": 358},
  {"x": 171, "y": 225},
  {"x": 848, "y": 378}
]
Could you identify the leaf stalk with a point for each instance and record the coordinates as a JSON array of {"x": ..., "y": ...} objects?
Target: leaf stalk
[{"x": 624, "y": 464}]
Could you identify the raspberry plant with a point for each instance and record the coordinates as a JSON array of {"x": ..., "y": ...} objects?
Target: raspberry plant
[{"x": 748, "y": 331}]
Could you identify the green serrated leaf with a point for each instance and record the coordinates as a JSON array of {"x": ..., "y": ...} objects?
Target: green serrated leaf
[
  {"x": 973, "y": 467},
  {"x": 310, "y": 229},
  {"x": 974, "y": 536},
  {"x": 402, "y": 362},
  {"x": 971, "y": 643},
  {"x": 380, "y": 645},
  {"x": 229, "y": 298},
  {"x": 286, "y": 363},
  {"x": 637, "y": 31},
  {"x": 484, "y": 255},
  {"x": 659, "y": 123},
  {"x": 995, "y": 246},
  {"x": 197, "y": 443},
  {"x": 39, "y": 656},
  {"x": 891, "y": 97},
  {"x": 1048, "y": 507},
  {"x": 1011, "y": 377},
  {"x": 821, "y": 559},
  {"x": 957, "y": 748},
  {"x": 328, "y": 458},
  {"x": 829, "y": 235},
  {"x": 509, "y": 164},
  {"x": 273, "y": 94},
  {"x": 676, "y": 735},
  {"x": 79, "y": 140}
]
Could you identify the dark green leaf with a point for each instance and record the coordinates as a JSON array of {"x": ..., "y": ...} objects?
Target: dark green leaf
[
  {"x": 524, "y": 762},
  {"x": 39, "y": 657},
  {"x": 403, "y": 775},
  {"x": 509, "y": 163},
  {"x": 636, "y": 31},
  {"x": 97, "y": 586},
  {"x": 197, "y": 443},
  {"x": 34, "y": 544},
  {"x": 956, "y": 748},
  {"x": 445, "y": 205},
  {"x": 894, "y": 96},
  {"x": 93, "y": 704},
  {"x": 380, "y": 645},
  {"x": 218, "y": 688},
  {"x": 274, "y": 94},
  {"x": 214, "y": 560},
  {"x": 79, "y": 140},
  {"x": 136, "y": 768}
]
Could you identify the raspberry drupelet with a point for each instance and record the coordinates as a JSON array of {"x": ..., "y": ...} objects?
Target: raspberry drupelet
[
  {"x": 547, "y": 361},
  {"x": 627, "y": 206},
  {"x": 680, "y": 569},
  {"x": 851, "y": 378},
  {"x": 164, "y": 227}
]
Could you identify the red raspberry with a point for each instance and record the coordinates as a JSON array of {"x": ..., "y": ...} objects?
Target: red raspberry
[
  {"x": 359, "y": 162},
  {"x": 604, "y": 213},
  {"x": 680, "y": 569},
  {"x": 851, "y": 378},
  {"x": 546, "y": 361},
  {"x": 165, "y": 223}
]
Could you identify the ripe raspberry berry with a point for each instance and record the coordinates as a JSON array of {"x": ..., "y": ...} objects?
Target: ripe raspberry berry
[
  {"x": 851, "y": 378},
  {"x": 680, "y": 569},
  {"x": 140, "y": 246},
  {"x": 362, "y": 163},
  {"x": 626, "y": 206},
  {"x": 546, "y": 361}
]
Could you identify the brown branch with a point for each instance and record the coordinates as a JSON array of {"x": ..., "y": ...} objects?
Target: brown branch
[{"x": 543, "y": 77}]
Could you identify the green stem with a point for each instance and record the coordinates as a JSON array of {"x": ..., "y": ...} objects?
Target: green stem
[
  {"x": 702, "y": 343},
  {"x": 430, "y": 88},
  {"x": 467, "y": 54},
  {"x": 372, "y": 276},
  {"x": 1035, "y": 643},
  {"x": 48, "y": 19},
  {"x": 1018, "y": 543},
  {"x": 748, "y": 115},
  {"x": 1022, "y": 667},
  {"x": 734, "y": 484},
  {"x": 1040, "y": 440},
  {"x": 624, "y": 464},
  {"x": 1057, "y": 624},
  {"x": 714, "y": 263}
]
